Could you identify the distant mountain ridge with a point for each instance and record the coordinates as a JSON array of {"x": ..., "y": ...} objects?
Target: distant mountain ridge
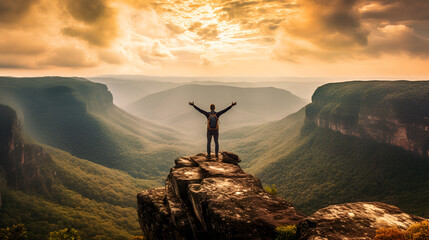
[
  {"x": 128, "y": 88},
  {"x": 127, "y": 91},
  {"x": 255, "y": 105}
]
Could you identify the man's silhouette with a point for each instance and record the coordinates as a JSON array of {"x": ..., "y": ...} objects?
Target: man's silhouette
[{"x": 212, "y": 125}]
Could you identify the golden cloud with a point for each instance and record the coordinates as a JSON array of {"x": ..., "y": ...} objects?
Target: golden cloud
[
  {"x": 70, "y": 57},
  {"x": 81, "y": 33},
  {"x": 13, "y": 10}
]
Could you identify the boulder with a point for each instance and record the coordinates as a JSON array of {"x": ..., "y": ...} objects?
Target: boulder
[
  {"x": 220, "y": 169},
  {"x": 353, "y": 221},
  {"x": 229, "y": 157}
]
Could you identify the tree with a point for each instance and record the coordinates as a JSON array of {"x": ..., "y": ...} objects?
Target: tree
[
  {"x": 64, "y": 234},
  {"x": 389, "y": 234},
  {"x": 418, "y": 231},
  {"x": 16, "y": 232},
  {"x": 137, "y": 238}
]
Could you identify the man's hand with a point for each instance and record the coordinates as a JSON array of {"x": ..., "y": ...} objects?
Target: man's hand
[
  {"x": 233, "y": 103},
  {"x": 191, "y": 103}
]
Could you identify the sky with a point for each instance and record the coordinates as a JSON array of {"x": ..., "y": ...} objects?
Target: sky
[{"x": 296, "y": 38}]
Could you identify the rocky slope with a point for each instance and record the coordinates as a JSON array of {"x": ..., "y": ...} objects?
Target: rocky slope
[
  {"x": 388, "y": 112},
  {"x": 215, "y": 199}
]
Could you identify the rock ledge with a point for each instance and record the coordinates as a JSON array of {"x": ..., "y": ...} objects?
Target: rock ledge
[{"x": 212, "y": 199}]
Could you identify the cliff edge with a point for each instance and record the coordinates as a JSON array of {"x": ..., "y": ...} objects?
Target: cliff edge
[
  {"x": 24, "y": 164},
  {"x": 392, "y": 112},
  {"x": 212, "y": 199},
  {"x": 215, "y": 199}
]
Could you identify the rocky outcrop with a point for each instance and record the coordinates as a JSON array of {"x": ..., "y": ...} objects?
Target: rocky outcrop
[
  {"x": 25, "y": 165},
  {"x": 212, "y": 199},
  {"x": 395, "y": 113},
  {"x": 354, "y": 221},
  {"x": 215, "y": 199}
]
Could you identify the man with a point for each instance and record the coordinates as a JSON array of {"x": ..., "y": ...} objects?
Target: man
[{"x": 212, "y": 125}]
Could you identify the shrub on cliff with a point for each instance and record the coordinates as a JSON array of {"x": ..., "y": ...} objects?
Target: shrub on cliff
[
  {"x": 271, "y": 190},
  {"x": 389, "y": 234},
  {"x": 418, "y": 231},
  {"x": 286, "y": 232},
  {"x": 65, "y": 234},
  {"x": 16, "y": 232}
]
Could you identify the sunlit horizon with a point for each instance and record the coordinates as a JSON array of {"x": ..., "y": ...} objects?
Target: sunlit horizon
[{"x": 300, "y": 38}]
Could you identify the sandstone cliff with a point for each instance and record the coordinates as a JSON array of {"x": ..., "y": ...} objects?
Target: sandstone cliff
[
  {"x": 212, "y": 199},
  {"x": 388, "y": 112},
  {"x": 24, "y": 164},
  {"x": 215, "y": 199}
]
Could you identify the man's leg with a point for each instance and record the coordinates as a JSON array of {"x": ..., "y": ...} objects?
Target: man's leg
[
  {"x": 209, "y": 141},
  {"x": 216, "y": 140}
]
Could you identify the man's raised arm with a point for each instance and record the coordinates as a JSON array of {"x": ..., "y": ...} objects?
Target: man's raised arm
[
  {"x": 226, "y": 109},
  {"x": 199, "y": 109}
]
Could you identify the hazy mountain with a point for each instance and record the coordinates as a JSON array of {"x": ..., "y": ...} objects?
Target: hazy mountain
[
  {"x": 48, "y": 189},
  {"x": 129, "y": 88},
  {"x": 127, "y": 91},
  {"x": 302, "y": 89},
  {"x": 78, "y": 116},
  {"x": 324, "y": 154},
  {"x": 255, "y": 105}
]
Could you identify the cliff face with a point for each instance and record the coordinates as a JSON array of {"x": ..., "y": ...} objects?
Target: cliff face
[
  {"x": 212, "y": 199},
  {"x": 216, "y": 199},
  {"x": 395, "y": 113},
  {"x": 22, "y": 163}
]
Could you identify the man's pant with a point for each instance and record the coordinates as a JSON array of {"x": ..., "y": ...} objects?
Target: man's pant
[{"x": 215, "y": 134}]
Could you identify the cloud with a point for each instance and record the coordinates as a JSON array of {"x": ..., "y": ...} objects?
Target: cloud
[
  {"x": 99, "y": 26},
  {"x": 19, "y": 43},
  {"x": 87, "y": 11},
  {"x": 209, "y": 32},
  {"x": 154, "y": 53},
  {"x": 111, "y": 57},
  {"x": 13, "y": 10},
  {"x": 397, "y": 39},
  {"x": 238, "y": 9},
  {"x": 352, "y": 29},
  {"x": 174, "y": 29},
  {"x": 16, "y": 62},
  {"x": 410, "y": 10},
  {"x": 70, "y": 57},
  {"x": 333, "y": 25}
]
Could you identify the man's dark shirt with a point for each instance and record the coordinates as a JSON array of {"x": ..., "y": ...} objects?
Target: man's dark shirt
[{"x": 207, "y": 114}]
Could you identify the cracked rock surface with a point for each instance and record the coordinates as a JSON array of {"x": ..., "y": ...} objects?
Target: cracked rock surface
[
  {"x": 358, "y": 220},
  {"x": 212, "y": 199}
]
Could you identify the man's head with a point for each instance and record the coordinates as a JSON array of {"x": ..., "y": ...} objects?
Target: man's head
[{"x": 212, "y": 107}]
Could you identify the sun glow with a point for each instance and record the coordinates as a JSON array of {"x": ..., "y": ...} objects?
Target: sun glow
[{"x": 199, "y": 37}]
